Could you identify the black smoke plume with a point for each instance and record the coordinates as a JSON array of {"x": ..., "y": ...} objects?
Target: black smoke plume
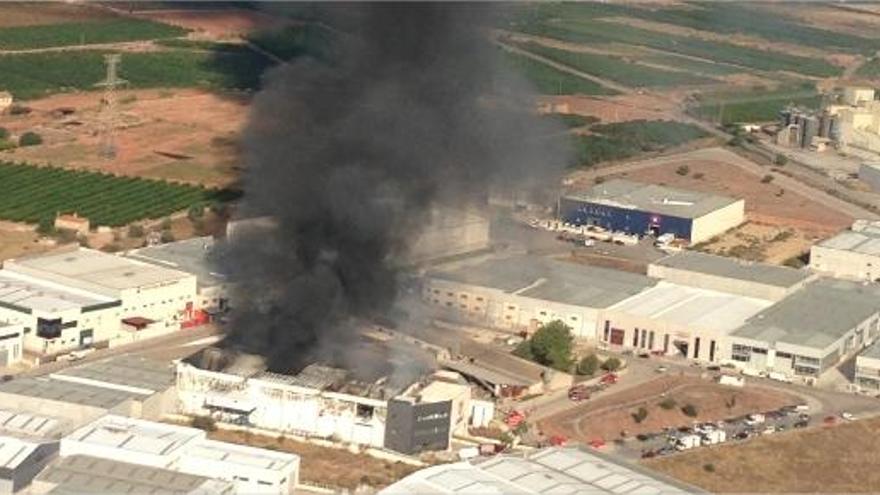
[{"x": 414, "y": 110}]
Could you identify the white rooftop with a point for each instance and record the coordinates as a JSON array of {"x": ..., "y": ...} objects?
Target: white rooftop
[
  {"x": 552, "y": 470},
  {"x": 692, "y": 307},
  {"x": 137, "y": 436},
  {"x": 242, "y": 455},
  {"x": 865, "y": 242},
  {"x": 22, "y": 292},
  {"x": 94, "y": 271},
  {"x": 26, "y": 424},
  {"x": 14, "y": 451}
]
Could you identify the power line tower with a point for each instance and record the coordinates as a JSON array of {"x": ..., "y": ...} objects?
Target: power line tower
[{"x": 108, "y": 117}]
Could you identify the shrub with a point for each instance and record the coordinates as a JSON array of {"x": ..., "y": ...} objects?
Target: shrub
[
  {"x": 588, "y": 365},
  {"x": 17, "y": 109},
  {"x": 195, "y": 212},
  {"x": 640, "y": 415},
  {"x": 611, "y": 364},
  {"x": 206, "y": 423},
  {"x": 780, "y": 159},
  {"x": 767, "y": 179},
  {"x": 709, "y": 467},
  {"x": 668, "y": 403},
  {"x": 698, "y": 175},
  {"x": 30, "y": 138},
  {"x": 166, "y": 224},
  {"x": 550, "y": 346},
  {"x": 6, "y": 144},
  {"x": 135, "y": 230},
  {"x": 683, "y": 170},
  {"x": 4, "y": 133},
  {"x": 46, "y": 225},
  {"x": 166, "y": 236},
  {"x": 689, "y": 410}
]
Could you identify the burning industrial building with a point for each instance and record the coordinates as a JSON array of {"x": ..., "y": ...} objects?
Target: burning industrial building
[{"x": 414, "y": 114}]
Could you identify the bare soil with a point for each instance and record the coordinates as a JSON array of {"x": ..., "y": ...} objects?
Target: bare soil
[
  {"x": 19, "y": 240},
  {"x": 325, "y": 466},
  {"x": 615, "y": 108},
  {"x": 836, "y": 459},
  {"x": 223, "y": 23},
  {"x": 182, "y": 135},
  {"x": 755, "y": 241},
  {"x": 608, "y": 416},
  {"x": 27, "y": 14}
]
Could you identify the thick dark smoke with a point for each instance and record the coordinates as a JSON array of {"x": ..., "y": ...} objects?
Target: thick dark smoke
[{"x": 415, "y": 110}]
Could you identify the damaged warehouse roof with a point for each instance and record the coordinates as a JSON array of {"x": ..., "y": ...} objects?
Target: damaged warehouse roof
[{"x": 551, "y": 280}]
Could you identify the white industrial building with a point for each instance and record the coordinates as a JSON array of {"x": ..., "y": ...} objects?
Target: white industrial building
[
  {"x": 81, "y": 298},
  {"x": 184, "y": 450},
  {"x": 525, "y": 292},
  {"x": 325, "y": 402},
  {"x": 125, "y": 385},
  {"x": 551, "y": 470},
  {"x": 867, "y": 371},
  {"x": 21, "y": 460},
  {"x": 730, "y": 275},
  {"x": 11, "y": 344},
  {"x": 82, "y": 474},
  {"x": 677, "y": 320},
  {"x": 810, "y": 331},
  {"x": 853, "y": 254},
  {"x": 192, "y": 256}
]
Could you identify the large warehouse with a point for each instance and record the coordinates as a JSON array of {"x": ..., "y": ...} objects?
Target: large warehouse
[
  {"x": 549, "y": 470},
  {"x": 853, "y": 254},
  {"x": 524, "y": 292},
  {"x": 810, "y": 331},
  {"x": 75, "y": 299},
  {"x": 625, "y": 206}
]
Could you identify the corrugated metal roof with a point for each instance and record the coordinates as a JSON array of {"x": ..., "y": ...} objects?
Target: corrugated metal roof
[
  {"x": 14, "y": 451},
  {"x": 81, "y": 474},
  {"x": 135, "y": 435},
  {"x": 553, "y": 470},
  {"x": 816, "y": 316},
  {"x": 86, "y": 395},
  {"x": 692, "y": 307},
  {"x": 241, "y": 455},
  {"x": 722, "y": 266},
  {"x": 190, "y": 255},
  {"x": 652, "y": 198},
  {"x": 550, "y": 280},
  {"x": 133, "y": 372}
]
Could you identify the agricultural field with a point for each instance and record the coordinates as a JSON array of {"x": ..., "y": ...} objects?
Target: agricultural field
[
  {"x": 551, "y": 81},
  {"x": 101, "y": 31},
  {"x": 587, "y": 29},
  {"x": 758, "y": 105},
  {"x": 870, "y": 70},
  {"x": 33, "y": 194},
  {"x": 621, "y": 140},
  {"x": 35, "y": 75},
  {"x": 293, "y": 41},
  {"x": 691, "y": 65},
  {"x": 614, "y": 68}
]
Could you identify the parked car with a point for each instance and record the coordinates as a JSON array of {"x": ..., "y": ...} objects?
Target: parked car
[
  {"x": 848, "y": 416},
  {"x": 578, "y": 393},
  {"x": 649, "y": 454},
  {"x": 713, "y": 367},
  {"x": 741, "y": 435},
  {"x": 661, "y": 369},
  {"x": 801, "y": 424}
]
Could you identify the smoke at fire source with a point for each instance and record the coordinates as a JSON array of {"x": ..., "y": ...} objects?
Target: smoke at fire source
[{"x": 416, "y": 109}]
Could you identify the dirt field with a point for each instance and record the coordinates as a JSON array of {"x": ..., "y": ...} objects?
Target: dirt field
[
  {"x": 25, "y": 14},
  {"x": 756, "y": 241},
  {"x": 605, "y": 417},
  {"x": 321, "y": 465},
  {"x": 615, "y": 108},
  {"x": 839, "y": 459},
  {"x": 19, "y": 240},
  {"x": 218, "y": 24},
  {"x": 183, "y": 135}
]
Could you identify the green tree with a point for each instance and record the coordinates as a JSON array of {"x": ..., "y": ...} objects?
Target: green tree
[
  {"x": 524, "y": 350},
  {"x": 4, "y": 133},
  {"x": 195, "y": 212},
  {"x": 135, "y": 230},
  {"x": 166, "y": 224},
  {"x": 588, "y": 365},
  {"x": 551, "y": 345},
  {"x": 206, "y": 423},
  {"x": 780, "y": 159},
  {"x": 611, "y": 364},
  {"x": 640, "y": 415},
  {"x": 30, "y": 138},
  {"x": 667, "y": 403},
  {"x": 46, "y": 225}
]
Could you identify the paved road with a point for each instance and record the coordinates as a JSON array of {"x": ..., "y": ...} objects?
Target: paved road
[{"x": 168, "y": 347}]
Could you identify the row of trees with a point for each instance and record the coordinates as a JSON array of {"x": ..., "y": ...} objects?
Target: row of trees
[{"x": 552, "y": 345}]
